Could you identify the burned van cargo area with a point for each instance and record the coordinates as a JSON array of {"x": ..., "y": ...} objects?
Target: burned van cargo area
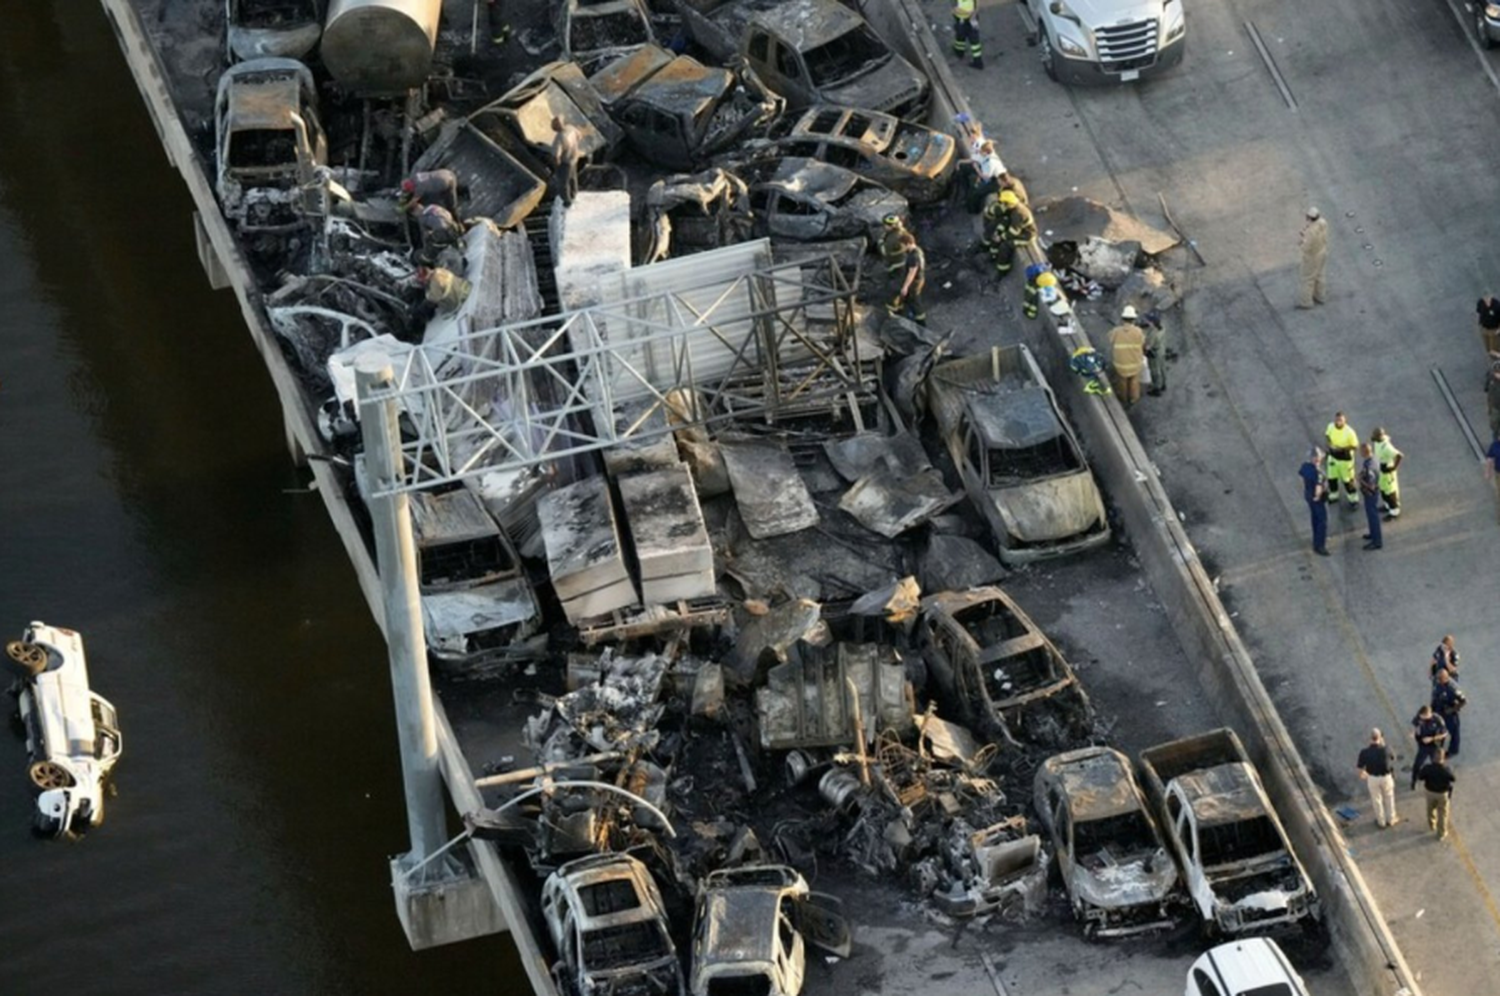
[{"x": 709, "y": 542}]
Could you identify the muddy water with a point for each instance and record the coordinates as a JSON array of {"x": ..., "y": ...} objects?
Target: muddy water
[{"x": 147, "y": 500}]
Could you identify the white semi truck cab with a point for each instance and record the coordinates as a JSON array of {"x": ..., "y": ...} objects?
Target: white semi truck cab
[{"x": 1108, "y": 41}]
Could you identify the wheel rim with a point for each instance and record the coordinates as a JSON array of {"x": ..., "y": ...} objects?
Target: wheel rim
[
  {"x": 28, "y": 655},
  {"x": 50, "y": 775}
]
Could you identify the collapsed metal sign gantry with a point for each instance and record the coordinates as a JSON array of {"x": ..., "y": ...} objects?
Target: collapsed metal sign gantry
[{"x": 761, "y": 341}]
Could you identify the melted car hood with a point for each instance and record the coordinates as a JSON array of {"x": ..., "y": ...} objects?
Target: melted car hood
[{"x": 1052, "y": 509}]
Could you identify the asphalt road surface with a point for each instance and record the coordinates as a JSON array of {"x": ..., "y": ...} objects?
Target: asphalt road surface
[{"x": 1391, "y": 137}]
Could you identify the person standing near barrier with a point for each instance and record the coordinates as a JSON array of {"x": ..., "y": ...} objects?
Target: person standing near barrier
[
  {"x": 1437, "y": 780},
  {"x": 1127, "y": 355},
  {"x": 1447, "y": 701},
  {"x": 1389, "y": 458},
  {"x": 1343, "y": 447},
  {"x": 1431, "y": 735},
  {"x": 966, "y": 32},
  {"x": 1314, "y": 492},
  {"x": 1156, "y": 353},
  {"x": 1492, "y": 397},
  {"x": 1377, "y": 768},
  {"x": 1369, "y": 489},
  {"x": 1314, "y": 259}
]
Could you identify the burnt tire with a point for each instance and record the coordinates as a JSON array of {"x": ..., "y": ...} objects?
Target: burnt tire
[
  {"x": 50, "y": 775},
  {"x": 27, "y": 659}
]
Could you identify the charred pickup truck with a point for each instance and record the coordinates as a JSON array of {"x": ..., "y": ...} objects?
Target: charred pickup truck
[
  {"x": 1119, "y": 876},
  {"x": 810, "y": 52},
  {"x": 999, "y": 670},
  {"x": 1236, "y": 861},
  {"x": 1017, "y": 456}
]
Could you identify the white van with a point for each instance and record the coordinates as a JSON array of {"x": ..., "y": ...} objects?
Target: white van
[{"x": 72, "y": 735}]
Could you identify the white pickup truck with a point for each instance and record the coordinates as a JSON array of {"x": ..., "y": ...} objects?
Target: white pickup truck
[{"x": 72, "y": 734}]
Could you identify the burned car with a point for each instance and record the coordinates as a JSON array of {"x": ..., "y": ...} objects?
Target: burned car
[
  {"x": 268, "y": 142},
  {"x": 478, "y": 608},
  {"x": 911, "y": 159},
  {"x": 822, "y": 52},
  {"x": 260, "y": 29},
  {"x": 999, "y": 670},
  {"x": 1016, "y": 455},
  {"x": 1117, "y": 872},
  {"x": 684, "y": 112},
  {"x": 808, "y": 201},
  {"x": 748, "y": 934},
  {"x": 609, "y": 927},
  {"x": 592, "y": 31}
]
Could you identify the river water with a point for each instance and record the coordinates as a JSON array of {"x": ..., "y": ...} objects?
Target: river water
[{"x": 148, "y": 502}]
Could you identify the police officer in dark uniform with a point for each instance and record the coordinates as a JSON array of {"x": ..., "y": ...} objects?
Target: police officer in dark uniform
[
  {"x": 1314, "y": 491},
  {"x": 1447, "y": 700},
  {"x": 1431, "y": 735},
  {"x": 1369, "y": 488}
]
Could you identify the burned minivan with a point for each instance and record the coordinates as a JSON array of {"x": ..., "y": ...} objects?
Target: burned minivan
[
  {"x": 999, "y": 671},
  {"x": 1119, "y": 876}
]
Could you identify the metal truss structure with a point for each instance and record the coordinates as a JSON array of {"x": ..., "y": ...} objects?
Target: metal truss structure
[{"x": 767, "y": 342}]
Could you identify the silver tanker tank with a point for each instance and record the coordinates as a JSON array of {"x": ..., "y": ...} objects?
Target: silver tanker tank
[{"x": 380, "y": 46}]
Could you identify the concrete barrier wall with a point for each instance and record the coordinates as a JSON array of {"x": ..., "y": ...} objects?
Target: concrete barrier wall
[{"x": 1222, "y": 663}]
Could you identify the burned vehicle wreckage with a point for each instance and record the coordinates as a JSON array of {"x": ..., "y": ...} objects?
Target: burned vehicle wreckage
[{"x": 671, "y": 531}]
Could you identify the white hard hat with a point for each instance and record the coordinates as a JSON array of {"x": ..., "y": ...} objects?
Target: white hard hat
[
  {"x": 1059, "y": 308},
  {"x": 1128, "y": 312},
  {"x": 1313, "y": 213}
]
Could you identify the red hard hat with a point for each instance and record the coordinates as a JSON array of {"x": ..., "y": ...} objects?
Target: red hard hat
[{"x": 408, "y": 185}]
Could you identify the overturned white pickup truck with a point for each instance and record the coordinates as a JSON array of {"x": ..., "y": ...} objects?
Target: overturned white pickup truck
[{"x": 72, "y": 734}]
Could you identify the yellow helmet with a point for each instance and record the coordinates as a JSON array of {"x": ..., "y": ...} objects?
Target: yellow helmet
[
  {"x": 1048, "y": 279},
  {"x": 1009, "y": 198}
]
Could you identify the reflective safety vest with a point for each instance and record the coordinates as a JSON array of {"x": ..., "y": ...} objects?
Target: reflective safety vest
[
  {"x": 1387, "y": 454},
  {"x": 1343, "y": 444},
  {"x": 963, "y": 9}
]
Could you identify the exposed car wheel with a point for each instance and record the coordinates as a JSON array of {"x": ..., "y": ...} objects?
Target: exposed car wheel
[
  {"x": 28, "y": 658},
  {"x": 50, "y": 775},
  {"x": 1049, "y": 60},
  {"x": 1481, "y": 30}
]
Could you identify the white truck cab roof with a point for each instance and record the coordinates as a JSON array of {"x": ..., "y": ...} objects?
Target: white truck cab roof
[{"x": 1254, "y": 966}]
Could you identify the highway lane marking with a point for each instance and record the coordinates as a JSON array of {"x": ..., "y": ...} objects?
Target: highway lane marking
[{"x": 1265, "y": 56}]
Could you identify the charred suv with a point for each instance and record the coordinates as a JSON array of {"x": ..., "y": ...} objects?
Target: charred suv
[
  {"x": 610, "y": 928},
  {"x": 1119, "y": 876},
  {"x": 268, "y": 143},
  {"x": 1108, "y": 41},
  {"x": 1236, "y": 860}
]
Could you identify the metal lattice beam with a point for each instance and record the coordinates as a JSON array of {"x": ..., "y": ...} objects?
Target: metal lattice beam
[{"x": 751, "y": 345}]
